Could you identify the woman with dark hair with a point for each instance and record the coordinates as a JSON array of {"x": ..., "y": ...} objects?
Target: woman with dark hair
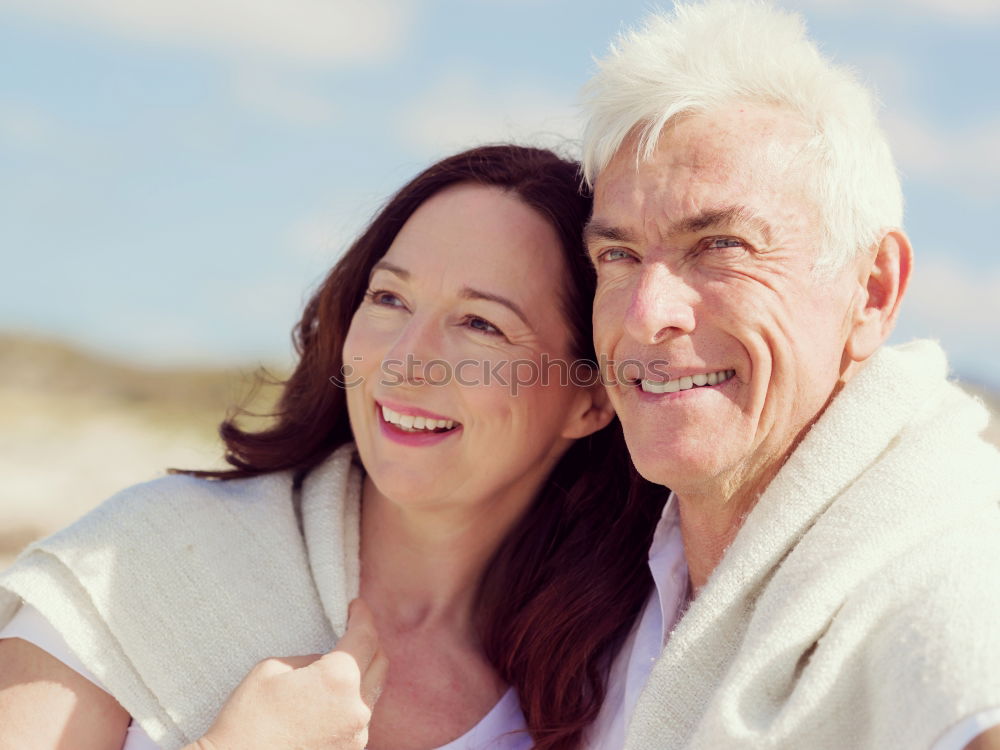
[{"x": 444, "y": 450}]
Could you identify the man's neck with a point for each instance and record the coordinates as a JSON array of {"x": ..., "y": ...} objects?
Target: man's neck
[
  {"x": 712, "y": 513},
  {"x": 707, "y": 534},
  {"x": 710, "y": 518}
]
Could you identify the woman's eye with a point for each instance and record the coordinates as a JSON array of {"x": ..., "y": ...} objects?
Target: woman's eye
[
  {"x": 386, "y": 299},
  {"x": 479, "y": 324}
]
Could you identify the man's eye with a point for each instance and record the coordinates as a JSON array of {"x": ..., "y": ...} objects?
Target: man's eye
[
  {"x": 613, "y": 254},
  {"x": 721, "y": 243}
]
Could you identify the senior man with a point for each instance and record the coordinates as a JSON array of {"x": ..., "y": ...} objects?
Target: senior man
[{"x": 834, "y": 580}]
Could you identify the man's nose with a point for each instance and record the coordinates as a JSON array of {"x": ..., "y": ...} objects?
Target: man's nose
[{"x": 661, "y": 306}]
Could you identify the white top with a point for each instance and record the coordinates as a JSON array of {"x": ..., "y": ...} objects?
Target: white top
[
  {"x": 661, "y": 613},
  {"x": 503, "y": 728}
]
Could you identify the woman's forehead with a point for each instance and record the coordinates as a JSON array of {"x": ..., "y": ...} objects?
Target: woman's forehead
[{"x": 477, "y": 235}]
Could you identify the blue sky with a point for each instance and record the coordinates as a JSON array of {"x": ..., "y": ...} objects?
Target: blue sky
[{"x": 176, "y": 175}]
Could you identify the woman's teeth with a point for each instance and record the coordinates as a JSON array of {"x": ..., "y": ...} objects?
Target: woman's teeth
[
  {"x": 410, "y": 423},
  {"x": 688, "y": 381}
]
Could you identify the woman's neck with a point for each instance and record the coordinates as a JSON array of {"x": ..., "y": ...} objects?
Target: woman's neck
[{"x": 421, "y": 567}]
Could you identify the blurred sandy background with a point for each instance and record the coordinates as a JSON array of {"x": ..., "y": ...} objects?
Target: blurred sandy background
[{"x": 78, "y": 427}]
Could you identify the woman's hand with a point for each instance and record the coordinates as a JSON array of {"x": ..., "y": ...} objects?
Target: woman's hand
[{"x": 306, "y": 702}]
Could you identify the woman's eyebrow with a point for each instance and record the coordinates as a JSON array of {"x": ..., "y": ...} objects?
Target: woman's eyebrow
[
  {"x": 384, "y": 265},
  {"x": 466, "y": 293},
  {"x": 470, "y": 293}
]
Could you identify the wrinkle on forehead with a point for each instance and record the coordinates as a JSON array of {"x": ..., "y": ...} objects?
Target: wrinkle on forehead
[
  {"x": 710, "y": 161},
  {"x": 759, "y": 138}
]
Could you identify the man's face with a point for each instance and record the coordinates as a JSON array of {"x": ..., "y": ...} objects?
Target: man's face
[{"x": 704, "y": 255}]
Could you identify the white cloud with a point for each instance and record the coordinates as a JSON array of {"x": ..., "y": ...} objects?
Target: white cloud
[
  {"x": 160, "y": 338},
  {"x": 460, "y": 112},
  {"x": 315, "y": 32},
  {"x": 244, "y": 321},
  {"x": 959, "y": 304},
  {"x": 971, "y": 10},
  {"x": 955, "y": 295},
  {"x": 320, "y": 238},
  {"x": 25, "y": 127},
  {"x": 270, "y": 305},
  {"x": 961, "y": 154},
  {"x": 967, "y": 159},
  {"x": 965, "y": 11},
  {"x": 283, "y": 98},
  {"x": 889, "y": 72}
]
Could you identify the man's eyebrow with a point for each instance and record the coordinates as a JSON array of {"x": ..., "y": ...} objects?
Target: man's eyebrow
[
  {"x": 596, "y": 229},
  {"x": 384, "y": 265},
  {"x": 728, "y": 216},
  {"x": 470, "y": 293}
]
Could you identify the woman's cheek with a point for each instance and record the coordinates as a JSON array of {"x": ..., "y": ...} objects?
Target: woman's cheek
[{"x": 366, "y": 344}]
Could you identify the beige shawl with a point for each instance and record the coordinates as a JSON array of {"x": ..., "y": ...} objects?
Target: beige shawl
[
  {"x": 172, "y": 590},
  {"x": 859, "y": 605}
]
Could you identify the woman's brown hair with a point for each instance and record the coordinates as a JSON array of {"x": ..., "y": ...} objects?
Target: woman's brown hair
[{"x": 566, "y": 585}]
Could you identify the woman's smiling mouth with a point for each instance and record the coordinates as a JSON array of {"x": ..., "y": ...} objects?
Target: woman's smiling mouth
[
  {"x": 413, "y": 423},
  {"x": 414, "y": 427}
]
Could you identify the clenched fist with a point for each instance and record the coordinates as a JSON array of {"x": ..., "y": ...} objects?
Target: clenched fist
[{"x": 316, "y": 702}]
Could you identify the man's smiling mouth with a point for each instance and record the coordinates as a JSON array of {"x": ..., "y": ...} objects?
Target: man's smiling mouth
[{"x": 686, "y": 382}]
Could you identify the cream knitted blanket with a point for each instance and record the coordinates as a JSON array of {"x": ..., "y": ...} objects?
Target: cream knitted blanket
[
  {"x": 172, "y": 590},
  {"x": 859, "y": 605}
]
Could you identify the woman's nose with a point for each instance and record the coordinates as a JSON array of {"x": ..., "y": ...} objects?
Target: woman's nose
[{"x": 417, "y": 344}]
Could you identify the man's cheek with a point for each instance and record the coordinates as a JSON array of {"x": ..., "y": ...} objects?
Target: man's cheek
[{"x": 603, "y": 338}]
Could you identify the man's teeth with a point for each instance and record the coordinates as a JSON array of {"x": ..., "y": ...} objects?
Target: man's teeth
[
  {"x": 410, "y": 423},
  {"x": 688, "y": 381}
]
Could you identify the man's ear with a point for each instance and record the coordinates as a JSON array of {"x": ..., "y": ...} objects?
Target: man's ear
[
  {"x": 883, "y": 279},
  {"x": 592, "y": 411}
]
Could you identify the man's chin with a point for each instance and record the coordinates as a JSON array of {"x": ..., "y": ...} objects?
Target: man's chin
[
  {"x": 662, "y": 465},
  {"x": 695, "y": 464}
]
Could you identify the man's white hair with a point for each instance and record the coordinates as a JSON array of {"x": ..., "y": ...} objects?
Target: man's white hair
[{"x": 709, "y": 55}]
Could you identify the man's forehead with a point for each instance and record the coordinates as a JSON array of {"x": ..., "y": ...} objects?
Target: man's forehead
[
  {"x": 713, "y": 145},
  {"x": 714, "y": 169},
  {"x": 734, "y": 217}
]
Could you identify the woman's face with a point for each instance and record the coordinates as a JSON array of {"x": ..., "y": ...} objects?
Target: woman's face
[{"x": 462, "y": 352}]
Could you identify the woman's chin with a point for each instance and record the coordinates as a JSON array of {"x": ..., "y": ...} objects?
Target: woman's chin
[{"x": 414, "y": 486}]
